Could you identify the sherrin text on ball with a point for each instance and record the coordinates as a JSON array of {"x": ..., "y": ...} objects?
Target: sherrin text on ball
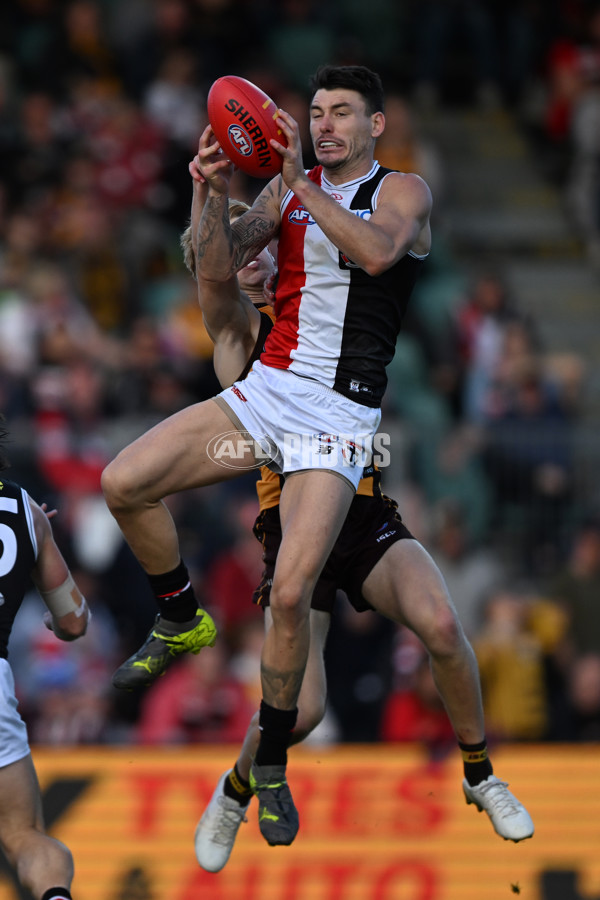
[{"x": 243, "y": 119}]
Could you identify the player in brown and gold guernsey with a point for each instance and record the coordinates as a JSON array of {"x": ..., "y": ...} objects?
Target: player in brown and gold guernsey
[{"x": 376, "y": 561}]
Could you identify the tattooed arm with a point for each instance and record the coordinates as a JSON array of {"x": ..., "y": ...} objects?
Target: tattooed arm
[{"x": 222, "y": 249}]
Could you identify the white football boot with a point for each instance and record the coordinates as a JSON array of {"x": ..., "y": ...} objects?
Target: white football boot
[
  {"x": 218, "y": 828},
  {"x": 509, "y": 817}
]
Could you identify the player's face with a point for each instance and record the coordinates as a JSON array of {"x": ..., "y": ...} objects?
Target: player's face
[{"x": 341, "y": 129}]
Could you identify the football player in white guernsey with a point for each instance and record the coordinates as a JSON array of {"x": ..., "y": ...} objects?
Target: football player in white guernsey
[
  {"x": 350, "y": 234},
  {"x": 376, "y": 561}
]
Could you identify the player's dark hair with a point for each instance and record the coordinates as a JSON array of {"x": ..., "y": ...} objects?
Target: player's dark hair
[
  {"x": 4, "y": 461},
  {"x": 353, "y": 78}
]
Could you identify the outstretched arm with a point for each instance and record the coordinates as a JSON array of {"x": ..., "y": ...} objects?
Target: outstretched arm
[
  {"x": 231, "y": 319},
  {"x": 223, "y": 249},
  {"x": 68, "y": 613}
]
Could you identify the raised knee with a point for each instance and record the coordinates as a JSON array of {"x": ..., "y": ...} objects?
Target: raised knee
[
  {"x": 26, "y": 847},
  {"x": 288, "y": 598},
  {"x": 61, "y": 856},
  {"x": 117, "y": 486}
]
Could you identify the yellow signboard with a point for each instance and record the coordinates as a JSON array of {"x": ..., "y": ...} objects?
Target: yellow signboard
[{"x": 376, "y": 823}]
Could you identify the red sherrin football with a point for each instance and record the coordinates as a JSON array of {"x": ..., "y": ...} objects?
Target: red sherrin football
[{"x": 243, "y": 119}]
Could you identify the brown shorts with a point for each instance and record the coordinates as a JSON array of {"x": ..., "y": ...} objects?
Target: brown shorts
[{"x": 372, "y": 525}]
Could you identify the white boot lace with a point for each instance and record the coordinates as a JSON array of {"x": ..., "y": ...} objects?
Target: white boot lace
[
  {"x": 500, "y": 798},
  {"x": 227, "y": 822}
]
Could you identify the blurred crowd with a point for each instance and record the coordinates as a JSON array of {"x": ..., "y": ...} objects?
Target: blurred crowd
[
  {"x": 101, "y": 106},
  {"x": 563, "y": 119}
]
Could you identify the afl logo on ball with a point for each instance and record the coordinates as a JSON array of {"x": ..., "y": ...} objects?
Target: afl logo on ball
[{"x": 239, "y": 138}]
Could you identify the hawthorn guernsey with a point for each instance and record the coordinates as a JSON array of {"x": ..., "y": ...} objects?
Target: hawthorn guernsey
[
  {"x": 243, "y": 119},
  {"x": 331, "y": 317}
]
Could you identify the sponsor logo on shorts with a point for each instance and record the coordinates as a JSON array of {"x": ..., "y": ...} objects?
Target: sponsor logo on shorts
[
  {"x": 238, "y": 393},
  {"x": 234, "y": 451},
  {"x": 330, "y": 451},
  {"x": 384, "y": 537},
  {"x": 349, "y": 452},
  {"x": 325, "y": 442}
]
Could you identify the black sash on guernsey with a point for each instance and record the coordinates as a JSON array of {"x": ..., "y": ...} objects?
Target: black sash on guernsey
[
  {"x": 374, "y": 312},
  {"x": 17, "y": 556}
]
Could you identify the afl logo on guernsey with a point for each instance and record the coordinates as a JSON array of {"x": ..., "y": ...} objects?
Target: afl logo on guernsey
[
  {"x": 301, "y": 216},
  {"x": 240, "y": 139}
]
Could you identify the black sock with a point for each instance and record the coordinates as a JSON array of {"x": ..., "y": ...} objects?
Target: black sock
[
  {"x": 276, "y": 726},
  {"x": 237, "y": 787},
  {"x": 174, "y": 594},
  {"x": 476, "y": 764},
  {"x": 57, "y": 893}
]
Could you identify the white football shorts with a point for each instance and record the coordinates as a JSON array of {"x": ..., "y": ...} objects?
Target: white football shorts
[
  {"x": 300, "y": 424},
  {"x": 13, "y": 733}
]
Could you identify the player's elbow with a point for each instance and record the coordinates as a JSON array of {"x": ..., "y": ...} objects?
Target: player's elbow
[
  {"x": 375, "y": 270},
  {"x": 209, "y": 276},
  {"x": 72, "y": 626},
  {"x": 379, "y": 262},
  {"x": 79, "y": 628},
  {"x": 72, "y": 632}
]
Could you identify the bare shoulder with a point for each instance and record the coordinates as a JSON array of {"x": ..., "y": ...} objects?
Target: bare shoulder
[
  {"x": 405, "y": 187},
  {"x": 404, "y": 209}
]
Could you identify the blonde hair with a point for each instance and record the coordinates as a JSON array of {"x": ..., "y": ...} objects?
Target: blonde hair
[{"x": 236, "y": 209}]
